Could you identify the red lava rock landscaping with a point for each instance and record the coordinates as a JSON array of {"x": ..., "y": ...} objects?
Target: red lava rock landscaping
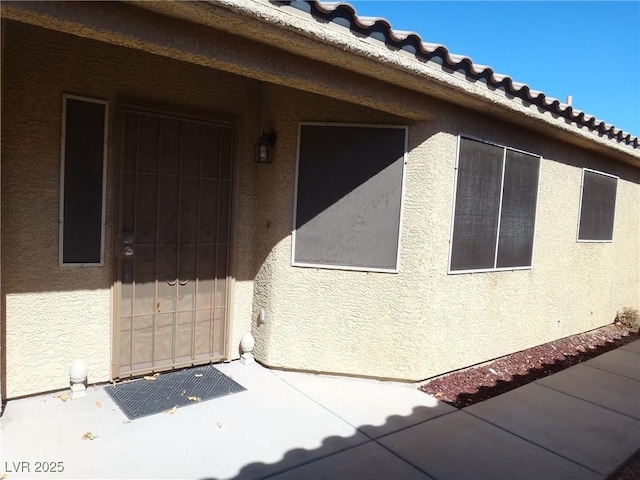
[
  {"x": 475, "y": 384},
  {"x": 630, "y": 470}
]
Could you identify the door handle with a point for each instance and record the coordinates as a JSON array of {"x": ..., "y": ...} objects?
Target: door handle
[{"x": 128, "y": 244}]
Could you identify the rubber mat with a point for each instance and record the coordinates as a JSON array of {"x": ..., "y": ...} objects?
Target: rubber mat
[{"x": 143, "y": 397}]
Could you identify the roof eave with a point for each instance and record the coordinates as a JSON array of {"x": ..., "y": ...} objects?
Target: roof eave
[
  {"x": 297, "y": 33},
  {"x": 290, "y": 29}
]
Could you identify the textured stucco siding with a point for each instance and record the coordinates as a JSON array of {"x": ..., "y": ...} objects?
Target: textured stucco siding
[
  {"x": 48, "y": 330},
  {"x": 2, "y": 351},
  {"x": 411, "y": 325},
  {"x": 422, "y": 321},
  {"x": 56, "y": 314}
]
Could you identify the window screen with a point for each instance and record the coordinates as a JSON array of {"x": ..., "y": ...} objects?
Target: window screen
[
  {"x": 597, "y": 209},
  {"x": 477, "y": 206},
  {"x": 495, "y": 207},
  {"x": 348, "y": 196},
  {"x": 82, "y": 195},
  {"x": 518, "y": 215}
]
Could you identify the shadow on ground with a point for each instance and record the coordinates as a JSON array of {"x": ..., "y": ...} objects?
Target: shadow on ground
[
  {"x": 358, "y": 456},
  {"x": 366, "y": 453}
]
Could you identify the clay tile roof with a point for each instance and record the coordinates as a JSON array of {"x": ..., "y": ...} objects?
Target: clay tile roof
[{"x": 380, "y": 29}]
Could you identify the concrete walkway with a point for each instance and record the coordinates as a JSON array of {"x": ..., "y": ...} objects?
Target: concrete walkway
[{"x": 582, "y": 423}]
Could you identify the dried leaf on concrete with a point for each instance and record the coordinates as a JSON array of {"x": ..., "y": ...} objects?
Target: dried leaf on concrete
[
  {"x": 172, "y": 411},
  {"x": 183, "y": 393},
  {"x": 64, "y": 397},
  {"x": 194, "y": 399},
  {"x": 89, "y": 436},
  {"x": 98, "y": 405}
]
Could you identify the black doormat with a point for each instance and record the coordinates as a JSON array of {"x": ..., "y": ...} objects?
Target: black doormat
[{"x": 142, "y": 397}]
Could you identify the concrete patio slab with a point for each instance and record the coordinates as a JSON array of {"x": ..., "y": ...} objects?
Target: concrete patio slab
[
  {"x": 595, "y": 437},
  {"x": 622, "y": 362},
  {"x": 461, "y": 446},
  {"x": 375, "y": 408},
  {"x": 632, "y": 347},
  {"x": 369, "y": 461},
  {"x": 618, "y": 393},
  {"x": 296, "y": 425},
  {"x": 267, "y": 429}
]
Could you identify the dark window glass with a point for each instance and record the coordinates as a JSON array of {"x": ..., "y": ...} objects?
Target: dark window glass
[
  {"x": 477, "y": 206},
  {"x": 517, "y": 219},
  {"x": 83, "y": 177},
  {"x": 492, "y": 212},
  {"x": 598, "y": 206},
  {"x": 349, "y": 194}
]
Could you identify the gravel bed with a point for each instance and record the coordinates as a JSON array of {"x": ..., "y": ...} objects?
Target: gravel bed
[
  {"x": 631, "y": 470},
  {"x": 475, "y": 384}
]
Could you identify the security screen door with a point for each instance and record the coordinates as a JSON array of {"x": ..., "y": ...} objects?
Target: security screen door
[{"x": 173, "y": 243}]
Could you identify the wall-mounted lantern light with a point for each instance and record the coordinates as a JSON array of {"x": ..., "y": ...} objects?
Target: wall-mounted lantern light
[{"x": 264, "y": 148}]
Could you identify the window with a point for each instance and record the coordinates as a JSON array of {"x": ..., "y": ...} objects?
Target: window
[
  {"x": 348, "y": 203},
  {"x": 494, "y": 208},
  {"x": 82, "y": 180},
  {"x": 597, "y": 206}
]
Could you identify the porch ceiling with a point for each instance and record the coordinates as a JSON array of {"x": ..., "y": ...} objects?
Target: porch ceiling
[{"x": 163, "y": 34}]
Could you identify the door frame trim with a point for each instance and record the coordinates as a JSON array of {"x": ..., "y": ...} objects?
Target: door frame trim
[{"x": 181, "y": 114}]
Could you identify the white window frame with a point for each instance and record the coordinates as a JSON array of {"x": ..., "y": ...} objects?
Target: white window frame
[
  {"x": 615, "y": 205},
  {"x": 453, "y": 208},
  {"x": 65, "y": 97},
  {"x": 402, "y": 199}
]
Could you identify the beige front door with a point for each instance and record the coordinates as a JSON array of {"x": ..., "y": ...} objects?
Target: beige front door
[{"x": 172, "y": 245}]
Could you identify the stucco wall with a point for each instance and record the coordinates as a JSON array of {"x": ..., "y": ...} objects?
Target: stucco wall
[
  {"x": 55, "y": 314},
  {"x": 2, "y": 326},
  {"x": 423, "y": 322},
  {"x": 411, "y": 325}
]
